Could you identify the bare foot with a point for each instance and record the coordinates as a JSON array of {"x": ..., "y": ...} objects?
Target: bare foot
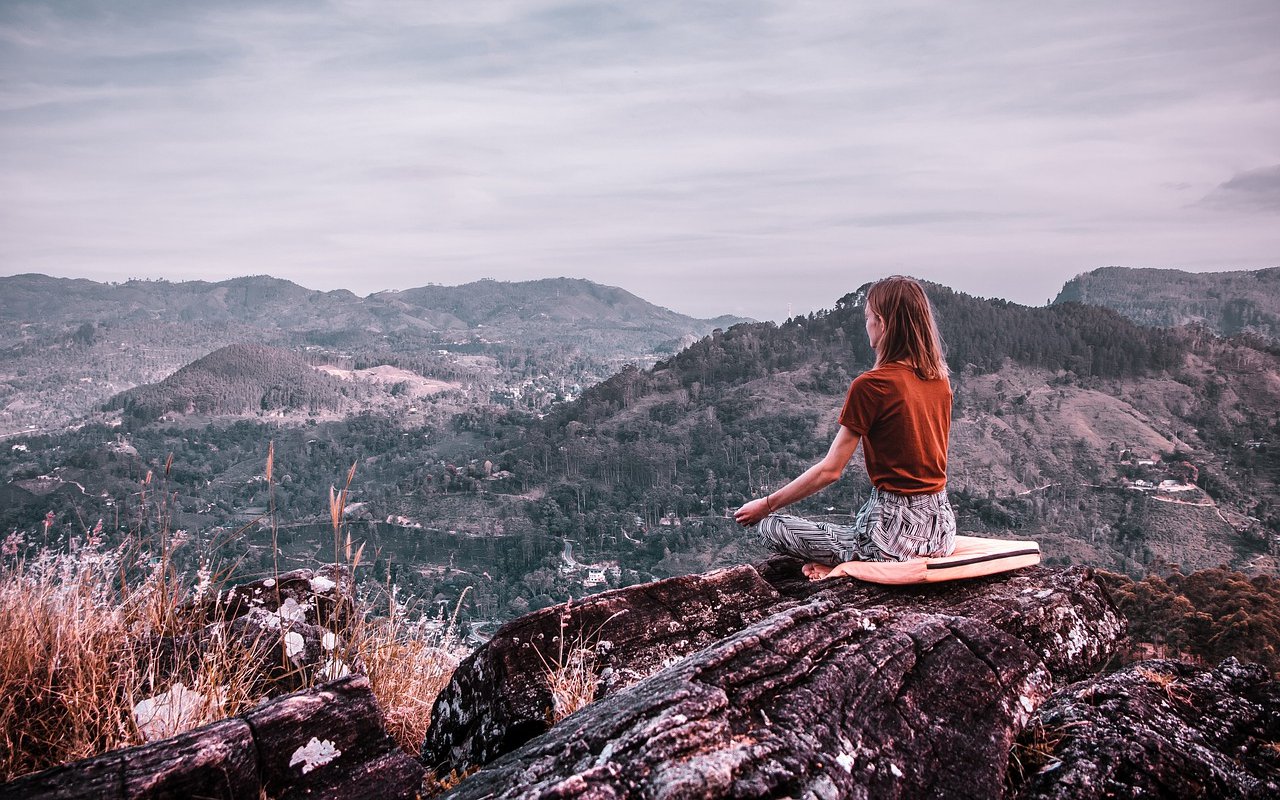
[{"x": 814, "y": 571}]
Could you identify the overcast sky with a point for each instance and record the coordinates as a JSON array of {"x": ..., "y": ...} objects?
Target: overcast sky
[{"x": 730, "y": 157}]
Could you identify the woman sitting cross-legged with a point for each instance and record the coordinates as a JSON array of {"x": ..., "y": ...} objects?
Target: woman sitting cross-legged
[{"x": 900, "y": 411}]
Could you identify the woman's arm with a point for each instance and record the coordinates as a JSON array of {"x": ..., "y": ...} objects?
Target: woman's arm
[{"x": 819, "y": 476}]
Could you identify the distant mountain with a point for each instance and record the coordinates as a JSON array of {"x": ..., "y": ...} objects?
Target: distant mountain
[
  {"x": 1225, "y": 302},
  {"x": 66, "y": 345},
  {"x": 566, "y": 310},
  {"x": 559, "y": 300},
  {"x": 238, "y": 379},
  {"x": 540, "y": 306},
  {"x": 260, "y": 301}
]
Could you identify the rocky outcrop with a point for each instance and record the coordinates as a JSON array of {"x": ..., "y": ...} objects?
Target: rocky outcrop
[
  {"x": 835, "y": 689},
  {"x": 752, "y": 682},
  {"x": 287, "y": 623},
  {"x": 1066, "y": 616},
  {"x": 501, "y": 697},
  {"x": 326, "y": 742},
  {"x": 323, "y": 596},
  {"x": 1156, "y": 729},
  {"x": 778, "y": 710}
]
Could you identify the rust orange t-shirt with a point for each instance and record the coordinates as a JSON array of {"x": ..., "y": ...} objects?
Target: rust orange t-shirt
[{"x": 904, "y": 422}]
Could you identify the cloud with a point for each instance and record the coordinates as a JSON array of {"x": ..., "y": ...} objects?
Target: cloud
[
  {"x": 1254, "y": 189},
  {"x": 711, "y": 158}
]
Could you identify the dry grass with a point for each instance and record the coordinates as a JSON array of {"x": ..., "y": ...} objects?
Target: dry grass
[
  {"x": 573, "y": 683},
  {"x": 79, "y": 649},
  {"x": 434, "y": 785},
  {"x": 87, "y": 635},
  {"x": 408, "y": 663},
  {"x": 1033, "y": 751},
  {"x": 1169, "y": 683},
  {"x": 571, "y": 673}
]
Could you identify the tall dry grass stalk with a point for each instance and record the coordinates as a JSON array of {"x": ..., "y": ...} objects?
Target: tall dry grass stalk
[
  {"x": 275, "y": 527},
  {"x": 408, "y": 661},
  {"x": 337, "y": 510}
]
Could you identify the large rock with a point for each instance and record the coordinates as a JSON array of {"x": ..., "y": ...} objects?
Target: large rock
[
  {"x": 290, "y": 654},
  {"x": 1156, "y": 729},
  {"x": 326, "y": 742},
  {"x": 500, "y": 697},
  {"x": 1066, "y": 616},
  {"x": 287, "y": 624},
  {"x": 821, "y": 700},
  {"x": 918, "y": 688}
]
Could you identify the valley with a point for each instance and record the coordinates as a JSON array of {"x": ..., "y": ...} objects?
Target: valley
[{"x": 510, "y": 482}]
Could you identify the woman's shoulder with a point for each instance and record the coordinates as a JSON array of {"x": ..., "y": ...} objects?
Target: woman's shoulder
[
  {"x": 896, "y": 376},
  {"x": 885, "y": 373},
  {"x": 876, "y": 381}
]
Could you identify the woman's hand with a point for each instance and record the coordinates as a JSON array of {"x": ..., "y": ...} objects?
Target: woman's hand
[
  {"x": 753, "y": 511},
  {"x": 820, "y": 475}
]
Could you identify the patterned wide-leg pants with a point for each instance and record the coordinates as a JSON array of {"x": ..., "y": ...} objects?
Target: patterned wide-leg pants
[{"x": 889, "y": 527}]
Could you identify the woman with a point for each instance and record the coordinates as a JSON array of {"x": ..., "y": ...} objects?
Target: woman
[{"x": 900, "y": 411}]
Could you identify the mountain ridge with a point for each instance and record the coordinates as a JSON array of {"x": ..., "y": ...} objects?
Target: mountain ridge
[
  {"x": 67, "y": 345},
  {"x": 29, "y": 296},
  {"x": 1227, "y": 303}
]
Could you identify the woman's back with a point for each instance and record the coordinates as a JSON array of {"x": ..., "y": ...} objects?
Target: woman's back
[{"x": 904, "y": 422}]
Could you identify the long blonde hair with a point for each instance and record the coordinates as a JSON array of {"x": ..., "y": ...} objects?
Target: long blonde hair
[{"x": 910, "y": 333}]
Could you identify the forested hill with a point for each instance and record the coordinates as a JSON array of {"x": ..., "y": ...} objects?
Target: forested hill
[
  {"x": 1226, "y": 302},
  {"x": 237, "y": 379},
  {"x": 563, "y": 300},
  {"x": 539, "y": 307},
  {"x": 1065, "y": 419},
  {"x": 980, "y": 336},
  {"x": 259, "y": 301}
]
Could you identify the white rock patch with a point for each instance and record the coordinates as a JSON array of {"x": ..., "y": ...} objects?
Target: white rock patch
[
  {"x": 320, "y": 584},
  {"x": 315, "y": 753},
  {"x": 169, "y": 713},
  {"x": 294, "y": 644},
  {"x": 290, "y": 611}
]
